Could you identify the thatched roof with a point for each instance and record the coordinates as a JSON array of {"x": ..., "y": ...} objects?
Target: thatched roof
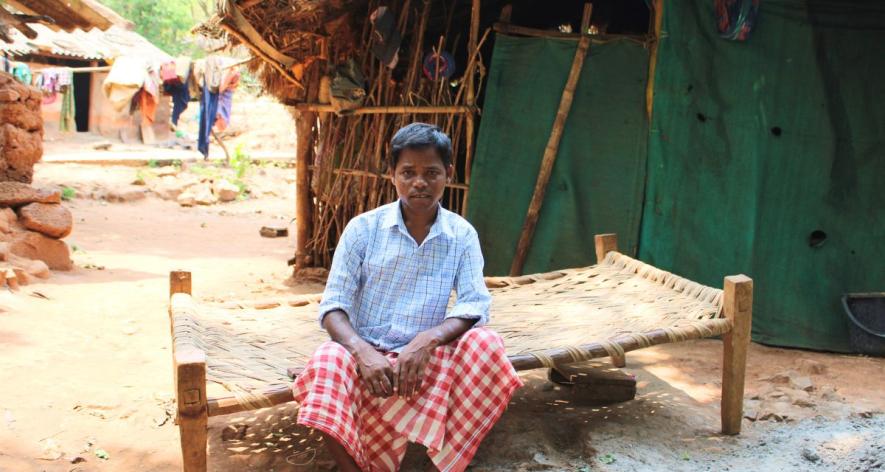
[{"x": 287, "y": 35}]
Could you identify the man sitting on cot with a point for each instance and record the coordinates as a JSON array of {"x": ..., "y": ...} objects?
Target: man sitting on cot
[{"x": 400, "y": 368}]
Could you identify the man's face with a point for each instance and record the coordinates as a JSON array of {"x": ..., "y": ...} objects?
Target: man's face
[{"x": 420, "y": 178}]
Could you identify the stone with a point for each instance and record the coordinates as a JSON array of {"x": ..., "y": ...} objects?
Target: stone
[
  {"x": 8, "y": 219},
  {"x": 15, "y": 194},
  {"x": 778, "y": 411},
  {"x": 51, "y": 219},
  {"x": 166, "y": 171},
  {"x": 55, "y": 253},
  {"x": 123, "y": 195},
  {"x": 226, "y": 191},
  {"x": 811, "y": 367},
  {"x": 170, "y": 187},
  {"x": 234, "y": 432},
  {"x": 22, "y": 275},
  {"x": 810, "y": 455},
  {"x": 792, "y": 379},
  {"x": 802, "y": 383},
  {"x": 21, "y": 149},
  {"x": 203, "y": 195},
  {"x": 33, "y": 268},
  {"x": 829, "y": 394},
  {"x": 186, "y": 199}
]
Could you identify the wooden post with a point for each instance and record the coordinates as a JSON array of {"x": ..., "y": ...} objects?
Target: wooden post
[
  {"x": 470, "y": 99},
  {"x": 653, "y": 57},
  {"x": 604, "y": 244},
  {"x": 179, "y": 282},
  {"x": 193, "y": 411},
  {"x": 565, "y": 105},
  {"x": 738, "y": 305},
  {"x": 304, "y": 122}
]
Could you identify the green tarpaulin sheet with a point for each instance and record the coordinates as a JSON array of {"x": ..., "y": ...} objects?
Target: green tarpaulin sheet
[
  {"x": 597, "y": 181},
  {"x": 760, "y": 149}
]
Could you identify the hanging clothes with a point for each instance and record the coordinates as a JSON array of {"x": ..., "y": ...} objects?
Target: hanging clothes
[
  {"x": 126, "y": 78},
  {"x": 183, "y": 68},
  {"x": 208, "y": 112},
  {"x": 213, "y": 73},
  {"x": 386, "y": 38},
  {"x": 180, "y": 98},
  {"x": 68, "y": 109},
  {"x": 225, "y": 105},
  {"x": 736, "y": 18},
  {"x": 150, "y": 95},
  {"x": 6, "y": 64},
  {"x": 22, "y": 73}
]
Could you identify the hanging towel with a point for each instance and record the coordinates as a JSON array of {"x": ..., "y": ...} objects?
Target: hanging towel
[
  {"x": 182, "y": 68},
  {"x": 68, "y": 109}
]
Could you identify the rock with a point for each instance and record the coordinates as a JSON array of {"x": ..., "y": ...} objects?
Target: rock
[
  {"x": 802, "y": 383},
  {"x": 166, "y": 171},
  {"x": 793, "y": 379},
  {"x": 203, "y": 195},
  {"x": 15, "y": 194},
  {"x": 170, "y": 187},
  {"x": 21, "y": 150},
  {"x": 22, "y": 275},
  {"x": 33, "y": 268},
  {"x": 829, "y": 394},
  {"x": 811, "y": 367},
  {"x": 186, "y": 199},
  {"x": 51, "y": 219},
  {"x": 31, "y": 245},
  {"x": 7, "y": 220},
  {"x": 801, "y": 398},
  {"x": 122, "y": 195},
  {"x": 810, "y": 455},
  {"x": 226, "y": 191},
  {"x": 234, "y": 431},
  {"x": 778, "y": 411}
]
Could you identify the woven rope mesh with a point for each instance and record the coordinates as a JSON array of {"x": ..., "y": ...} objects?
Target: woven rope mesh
[{"x": 248, "y": 351}]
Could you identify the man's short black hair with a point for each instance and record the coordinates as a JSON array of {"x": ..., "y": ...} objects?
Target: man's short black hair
[{"x": 420, "y": 136}]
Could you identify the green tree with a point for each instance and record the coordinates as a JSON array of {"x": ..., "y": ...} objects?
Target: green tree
[{"x": 165, "y": 23}]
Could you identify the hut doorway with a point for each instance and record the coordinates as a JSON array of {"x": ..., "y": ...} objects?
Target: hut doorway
[{"x": 82, "y": 95}]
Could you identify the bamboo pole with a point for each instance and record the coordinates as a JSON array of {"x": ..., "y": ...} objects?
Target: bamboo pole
[
  {"x": 384, "y": 110},
  {"x": 471, "y": 96},
  {"x": 565, "y": 104},
  {"x": 304, "y": 123},
  {"x": 507, "y": 28},
  {"x": 653, "y": 58}
]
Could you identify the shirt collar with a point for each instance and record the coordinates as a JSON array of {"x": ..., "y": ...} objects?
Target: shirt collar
[{"x": 394, "y": 217}]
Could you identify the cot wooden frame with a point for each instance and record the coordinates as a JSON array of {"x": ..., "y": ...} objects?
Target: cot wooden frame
[{"x": 194, "y": 407}]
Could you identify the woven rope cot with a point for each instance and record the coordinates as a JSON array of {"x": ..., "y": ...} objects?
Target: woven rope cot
[{"x": 243, "y": 356}]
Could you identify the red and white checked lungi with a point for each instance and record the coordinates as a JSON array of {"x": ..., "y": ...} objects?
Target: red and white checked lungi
[{"x": 467, "y": 386}]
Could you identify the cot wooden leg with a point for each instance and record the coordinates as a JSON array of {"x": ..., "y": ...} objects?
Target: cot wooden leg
[
  {"x": 193, "y": 411},
  {"x": 738, "y": 305},
  {"x": 606, "y": 243},
  {"x": 189, "y": 370}
]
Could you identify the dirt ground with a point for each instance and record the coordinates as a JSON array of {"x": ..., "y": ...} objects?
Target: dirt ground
[{"x": 87, "y": 384}]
